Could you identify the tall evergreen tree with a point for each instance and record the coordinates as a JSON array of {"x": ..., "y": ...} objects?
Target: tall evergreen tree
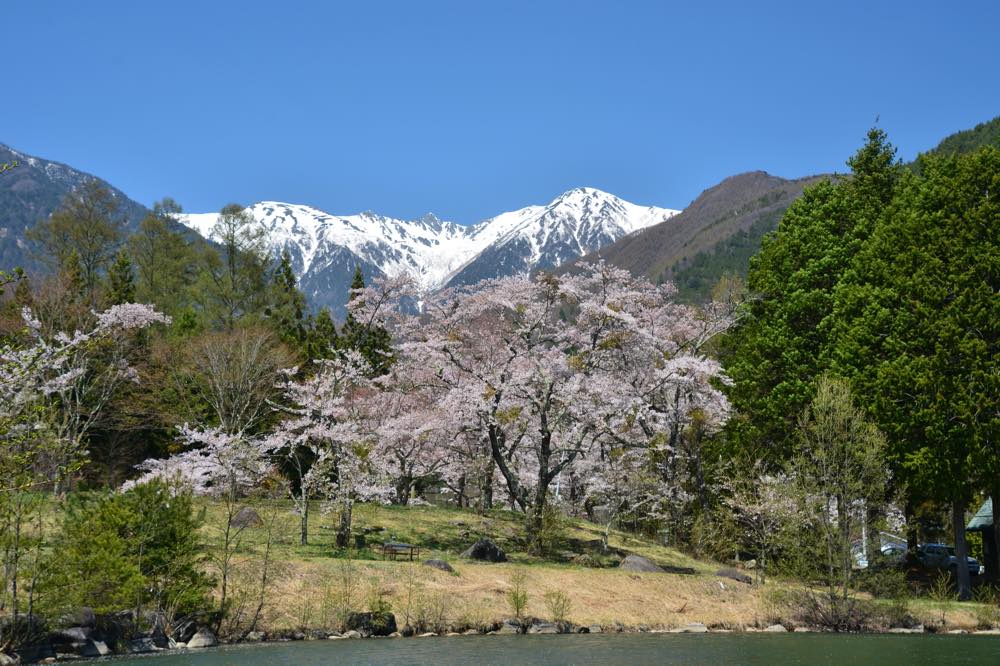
[
  {"x": 372, "y": 341},
  {"x": 121, "y": 284},
  {"x": 322, "y": 339},
  {"x": 918, "y": 329},
  {"x": 287, "y": 310},
  {"x": 781, "y": 345}
]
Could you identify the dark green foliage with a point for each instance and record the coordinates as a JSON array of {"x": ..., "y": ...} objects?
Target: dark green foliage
[
  {"x": 322, "y": 340},
  {"x": 781, "y": 345},
  {"x": 918, "y": 323},
  {"x": 370, "y": 340},
  {"x": 137, "y": 549},
  {"x": 121, "y": 285},
  {"x": 287, "y": 309}
]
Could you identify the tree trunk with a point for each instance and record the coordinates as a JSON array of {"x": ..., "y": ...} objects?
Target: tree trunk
[
  {"x": 961, "y": 550},
  {"x": 344, "y": 531},
  {"x": 874, "y": 541},
  {"x": 304, "y": 523},
  {"x": 912, "y": 540},
  {"x": 994, "y": 554},
  {"x": 486, "y": 488}
]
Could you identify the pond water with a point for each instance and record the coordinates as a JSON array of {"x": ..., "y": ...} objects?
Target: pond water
[{"x": 606, "y": 649}]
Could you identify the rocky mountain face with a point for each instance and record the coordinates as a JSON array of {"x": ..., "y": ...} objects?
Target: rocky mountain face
[
  {"x": 31, "y": 192},
  {"x": 325, "y": 248}
]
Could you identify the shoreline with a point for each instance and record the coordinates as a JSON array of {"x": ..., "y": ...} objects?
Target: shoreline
[{"x": 535, "y": 628}]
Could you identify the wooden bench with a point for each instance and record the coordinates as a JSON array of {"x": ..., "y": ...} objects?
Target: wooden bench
[{"x": 393, "y": 550}]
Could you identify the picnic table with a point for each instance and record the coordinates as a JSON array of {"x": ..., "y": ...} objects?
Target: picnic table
[{"x": 394, "y": 549}]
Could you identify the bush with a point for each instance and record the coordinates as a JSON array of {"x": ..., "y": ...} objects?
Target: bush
[
  {"x": 833, "y": 612},
  {"x": 883, "y": 582},
  {"x": 558, "y": 604},
  {"x": 129, "y": 550},
  {"x": 517, "y": 594},
  {"x": 988, "y": 607}
]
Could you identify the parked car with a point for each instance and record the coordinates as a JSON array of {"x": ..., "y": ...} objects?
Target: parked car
[{"x": 940, "y": 556}]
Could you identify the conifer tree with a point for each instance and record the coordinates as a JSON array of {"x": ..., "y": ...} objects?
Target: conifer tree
[
  {"x": 322, "y": 340},
  {"x": 287, "y": 310},
  {"x": 781, "y": 345},
  {"x": 121, "y": 284},
  {"x": 372, "y": 341}
]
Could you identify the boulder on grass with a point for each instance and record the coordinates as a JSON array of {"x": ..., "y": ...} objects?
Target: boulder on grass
[
  {"x": 485, "y": 550},
  {"x": 246, "y": 517},
  {"x": 370, "y": 624},
  {"x": 439, "y": 564},
  {"x": 640, "y": 564}
]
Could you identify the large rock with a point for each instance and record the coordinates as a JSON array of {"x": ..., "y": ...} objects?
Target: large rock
[
  {"x": 142, "y": 645},
  {"x": 510, "y": 626},
  {"x": 92, "y": 649},
  {"x": 485, "y": 550},
  {"x": 543, "y": 628},
  {"x": 204, "y": 638},
  {"x": 439, "y": 564},
  {"x": 246, "y": 517},
  {"x": 640, "y": 564},
  {"x": 367, "y": 624}
]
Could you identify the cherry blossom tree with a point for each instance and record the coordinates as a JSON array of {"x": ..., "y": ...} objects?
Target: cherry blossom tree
[
  {"x": 547, "y": 370},
  {"x": 328, "y": 439}
]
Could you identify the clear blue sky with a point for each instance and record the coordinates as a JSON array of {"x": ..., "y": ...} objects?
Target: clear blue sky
[{"x": 470, "y": 108}]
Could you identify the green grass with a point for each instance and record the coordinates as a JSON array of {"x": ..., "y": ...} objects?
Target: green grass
[{"x": 440, "y": 532}]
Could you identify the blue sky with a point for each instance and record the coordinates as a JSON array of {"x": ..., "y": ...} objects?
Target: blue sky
[{"x": 470, "y": 108}]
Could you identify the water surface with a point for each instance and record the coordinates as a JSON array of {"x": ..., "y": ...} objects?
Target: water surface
[{"x": 605, "y": 649}]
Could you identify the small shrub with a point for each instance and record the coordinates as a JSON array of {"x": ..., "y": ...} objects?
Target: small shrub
[
  {"x": 883, "y": 583},
  {"x": 833, "y": 612},
  {"x": 558, "y": 604},
  {"x": 378, "y": 604},
  {"x": 988, "y": 607},
  {"x": 517, "y": 594},
  {"x": 554, "y": 525},
  {"x": 943, "y": 593},
  {"x": 432, "y": 612}
]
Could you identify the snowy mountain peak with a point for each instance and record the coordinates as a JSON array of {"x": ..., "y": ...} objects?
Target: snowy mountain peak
[{"x": 325, "y": 248}]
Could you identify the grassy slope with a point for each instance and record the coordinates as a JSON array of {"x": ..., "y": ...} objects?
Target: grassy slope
[{"x": 312, "y": 576}]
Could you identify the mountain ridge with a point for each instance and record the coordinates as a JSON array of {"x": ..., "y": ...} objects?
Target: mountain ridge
[{"x": 324, "y": 248}]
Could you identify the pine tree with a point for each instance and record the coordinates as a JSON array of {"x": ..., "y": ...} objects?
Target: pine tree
[
  {"x": 782, "y": 344},
  {"x": 322, "y": 339},
  {"x": 373, "y": 342},
  {"x": 72, "y": 275},
  {"x": 121, "y": 283},
  {"x": 287, "y": 311}
]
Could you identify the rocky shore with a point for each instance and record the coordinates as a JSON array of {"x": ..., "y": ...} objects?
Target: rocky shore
[{"x": 94, "y": 636}]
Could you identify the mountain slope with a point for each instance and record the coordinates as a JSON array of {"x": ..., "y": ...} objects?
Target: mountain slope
[
  {"x": 325, "y": 248},
  {"x": 733, "y": 206},
  {"x": 31, "y": 192},
  {"x": 967, "y": 141}
]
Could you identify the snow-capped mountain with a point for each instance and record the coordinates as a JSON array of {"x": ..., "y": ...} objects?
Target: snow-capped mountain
[{"x": 325, "y": 248}]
